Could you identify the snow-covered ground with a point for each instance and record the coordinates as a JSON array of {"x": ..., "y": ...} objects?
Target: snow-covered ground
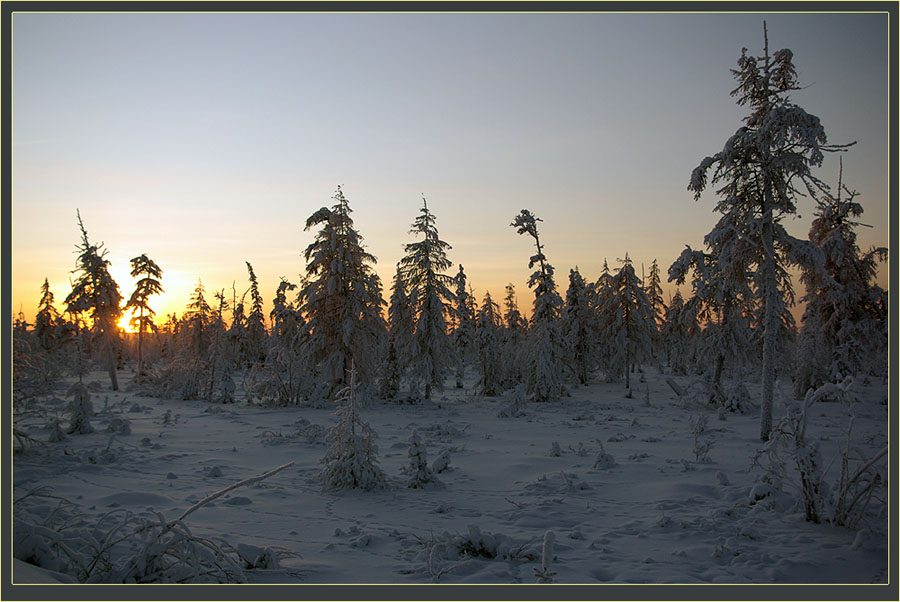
[{"x": 654, "y": 514}]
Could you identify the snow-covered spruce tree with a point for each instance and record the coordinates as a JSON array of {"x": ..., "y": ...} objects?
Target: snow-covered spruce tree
[
  {"x": 400, "y": 338},
  {"x": 843, "y": 323},
  {"x": 579, "y": 328},
  {"x": 95, "y": 292},
  {"x": 544, "y": 344},
  {"x": 236, "y": 335},
  {"x": 420, "y": 475},
  {"x": 655, "y": 295},
  {"x": 628, "y": 321},
  {"x": 283, "y": 315},
  {"x": 220, "y": 386},
  {"x": 47, "y": 321},
  {"x": 723, "y": 300},
  {"x": 423, "y": 267},
  {"x": 514, "y": 326},
  {"x": 255, "y": 351},
  {"x": 489, "y": 348},
  {"x": 464, "y": 325},
  {"x": 678, "y": 334},
  {"x": 197, "y": 318},
  {"x": 283, "y": 378},
  {"x": 760, "y": 168},
  {"x": 81, "y": 410},
  {"x": 351, "y": 459},
  {"x": 341, "y": 302},
  {"x": 140, "y": 301},
  {"x": 599, "y": 298}
]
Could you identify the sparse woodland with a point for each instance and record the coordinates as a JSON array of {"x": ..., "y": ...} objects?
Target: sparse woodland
[{"x": 724, "y": 344}]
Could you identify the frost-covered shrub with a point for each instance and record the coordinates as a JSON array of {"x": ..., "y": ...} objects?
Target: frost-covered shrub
[
  {"x": 420, "y": 475},
  {"x": 351, "y": 460},
  {"x": 516, "y": 407},
  {"x": 861, "y": 480},
  {"x": 57, "y": 433},
  {"x": 442, "y": 463},
  {"x": 703, "y": 442},
  {"x": 604, "y": 460},
  {"x": 544, "y": 574},
  {"x": 81, "y": 409}
]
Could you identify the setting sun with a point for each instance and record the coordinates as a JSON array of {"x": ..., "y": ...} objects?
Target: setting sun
[{"x": 124, "y": 323}]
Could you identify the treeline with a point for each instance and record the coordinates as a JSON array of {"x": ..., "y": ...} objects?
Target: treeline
[{"x": 735, "y": 322}]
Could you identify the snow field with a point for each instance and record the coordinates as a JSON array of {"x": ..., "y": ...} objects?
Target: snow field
[{"x": 656, "y": 516}]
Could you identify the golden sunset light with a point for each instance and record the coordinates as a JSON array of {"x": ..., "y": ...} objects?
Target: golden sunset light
[{"x": 563, "y": 293}]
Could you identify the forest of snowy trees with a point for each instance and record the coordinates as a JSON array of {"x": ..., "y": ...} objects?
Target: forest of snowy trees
[
  {"x": 732, "y": 324},
  {"x": 336, "y": 337}
]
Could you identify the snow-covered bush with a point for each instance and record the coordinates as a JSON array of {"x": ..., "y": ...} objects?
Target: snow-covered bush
[
  {"x": 516, "y": 407},
  {"x": 544, "y": 574},
  {"x": 861, "y": 480},
  {"x": 703, "y": 442},
  {"x": 81, "y": 409},
  {"x": 351, "y": 460},
  {"x": 420, "y": 475},
  {"x": 603, "y": 460}
]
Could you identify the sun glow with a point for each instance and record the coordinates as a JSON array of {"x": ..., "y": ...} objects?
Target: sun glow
[{"x": 124, "y": 323}]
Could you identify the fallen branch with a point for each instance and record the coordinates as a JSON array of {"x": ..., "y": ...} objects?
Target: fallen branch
[
  {"x": 678, "y": 390},
  {"x": 222, "y": 492}
]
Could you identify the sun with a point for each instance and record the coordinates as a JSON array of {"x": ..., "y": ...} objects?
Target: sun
[{"x": 123, "y": 324}]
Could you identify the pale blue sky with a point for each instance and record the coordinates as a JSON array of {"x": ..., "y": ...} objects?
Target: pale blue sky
[{"x": 206, "y": 140}]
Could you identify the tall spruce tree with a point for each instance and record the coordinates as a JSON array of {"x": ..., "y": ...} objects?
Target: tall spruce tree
[
  {"x": 578, "y": 327},
  {"x": 464, "y": 332},
  {"x": 341, "y": 302},
  {"x": 760, "y": 169},
  {"x": 489, "y": 347},
  {"x": 628, "y": 321},
  {"x": 544, "y": 343},
  {"x": 95, "y": 292},
  {"x": 843, "y": 321},
  {"x": 47, "y": 321},
  {"x": 400, "y": 338},
  {"x": 255, "y": 351},
  {"x": 140, "y": 301},
  {"x": 423, "y": 268}
]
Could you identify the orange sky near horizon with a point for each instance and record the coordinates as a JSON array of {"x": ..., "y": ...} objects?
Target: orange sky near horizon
[{"x": 214, "y": 148}]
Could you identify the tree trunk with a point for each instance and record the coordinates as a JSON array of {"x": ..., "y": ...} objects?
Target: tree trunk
[
  {"x": 627, "y": 369},
  {"x": 140, "y": 372},
  {"x": 111, "y": 363},
  {"x": 770, "y": 322}
]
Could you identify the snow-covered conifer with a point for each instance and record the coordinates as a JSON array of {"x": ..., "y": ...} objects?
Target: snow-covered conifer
[
  {"x": 342, "y": 300},
  {"x": 655, "y": 295},
  {"x": 842, "y": 331},
  {"x": 140, "y": 301},
  {"x": 284, "y": 315},
  {"x": 628, "y": 321},
  {"x": 95, "y": 292},
  {"x": 489, "y": 348},
  {"x": 514, "y": 325},
  {"x": 420, "y": 475},
  {"x": 578, "y": 326},
  {"x": 423, "y": 268},
  {"x": 351, "y": 459},
  {"x": 677, "y": 332},
  {"x": 544, "y": 344},
  {"x": 723, "y": 300},
  {"x": 400, "y": 338},
  {"x": 81, "y": 410},
  {"x": 197, "y": 318},
  {"x": 255, "y": 351},
  {"x": 47, "y": 321},
  {"x": 464, "y": 321},
  {"x": 760, "y": 169}
]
